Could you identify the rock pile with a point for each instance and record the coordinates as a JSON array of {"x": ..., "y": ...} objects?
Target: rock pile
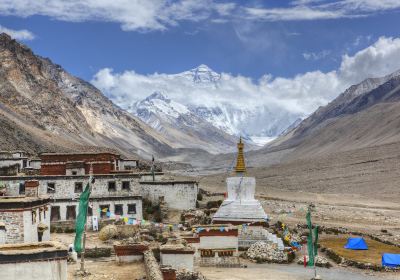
[
  {"x": 189, "y": 275},
  {"x": 108, "y": 232},
  {"x": 266, "y": 252},
  {"x": 319, "y": 261},
  {"x": 194, "y": 217}
]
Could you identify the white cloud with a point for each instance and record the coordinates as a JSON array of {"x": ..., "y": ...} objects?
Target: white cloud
[
  {"x": 316, "y": 55},
  {"x": 301, "y": 94},
  {"x": 146, "y": 15},
  {"x": 140, "y": 15},
  {"x": 320, "y": 9},
  {"x": 22, "y": 34}
]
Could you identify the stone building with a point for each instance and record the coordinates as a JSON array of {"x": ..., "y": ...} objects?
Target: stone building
[
  {"x": 25, "y": 218},
  {"x": 119, "y": 187},
  {"x": 82, "y": 163},
  {"x": 118, "y": 193},
  {"x": 13, "y": 162}
]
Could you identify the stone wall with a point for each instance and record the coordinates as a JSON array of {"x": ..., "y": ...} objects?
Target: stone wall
[
  {"x": 177, "y": 195},
  {"x": 14, "y": 225},
  {"x": 65, "y": 185},
  {"x": 96, "y": 206},
  {"x": 153, "y": 271}
]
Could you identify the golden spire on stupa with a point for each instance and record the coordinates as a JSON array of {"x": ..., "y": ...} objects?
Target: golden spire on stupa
[{"x": 240, "y": 165}]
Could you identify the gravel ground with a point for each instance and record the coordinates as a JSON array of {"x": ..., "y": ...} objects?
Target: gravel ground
[{"x": 291, "y": 272}]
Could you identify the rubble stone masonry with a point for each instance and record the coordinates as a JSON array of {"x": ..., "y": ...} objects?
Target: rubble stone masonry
[{"x": 14, "y": 226}]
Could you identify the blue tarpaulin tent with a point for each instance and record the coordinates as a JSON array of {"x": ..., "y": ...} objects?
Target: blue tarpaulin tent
[
  {"x": 391, "y": 260},
  {"x": 356, "y": 243}
]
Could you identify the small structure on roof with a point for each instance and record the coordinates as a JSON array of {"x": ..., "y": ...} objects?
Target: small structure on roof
[{"x": 356, "y": 243}]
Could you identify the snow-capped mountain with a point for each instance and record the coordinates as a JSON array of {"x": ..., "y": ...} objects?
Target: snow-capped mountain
[
  {"x": 180, "y": 125},
  {"x": 202, "y": 74},
  {"x": 214, "y": 100}
]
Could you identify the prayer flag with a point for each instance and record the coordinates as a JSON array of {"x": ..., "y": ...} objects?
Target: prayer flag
[{"x": 81, "y": 219}]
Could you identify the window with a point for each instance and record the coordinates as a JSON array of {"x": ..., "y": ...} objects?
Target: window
[
  {"x": 126, "y": 185},
  {"x": 111, "y": 186},
  {"x": 55, "y": 213},
  {"x": 71, "y": 212},
  {"x": 119, "y": 209},
  {"x": 24, "y": 163},
  {"x": 90, "y": 211},
  {"x": 78, "y": 187},
  {"x": 51, "y": 187},
  {"x": 131, "y": 208},
  {"x": 103, "y": 210},
  {"x": 22, "y": 188},
  {"x": 74, "y": 172}
]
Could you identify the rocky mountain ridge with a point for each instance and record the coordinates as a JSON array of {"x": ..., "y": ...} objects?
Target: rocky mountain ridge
[
  {"x": 365, "y": 115},
  {"x": 58, "y": 111}
]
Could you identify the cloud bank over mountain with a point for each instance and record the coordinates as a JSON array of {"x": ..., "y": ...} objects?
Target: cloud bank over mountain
[{"x": 301, "y": 94}]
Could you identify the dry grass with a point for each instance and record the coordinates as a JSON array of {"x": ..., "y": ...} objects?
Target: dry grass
[{"x": 372, "y": 255}]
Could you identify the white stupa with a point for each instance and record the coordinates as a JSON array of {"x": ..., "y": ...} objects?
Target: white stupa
[{"x": 240, "y": 207}]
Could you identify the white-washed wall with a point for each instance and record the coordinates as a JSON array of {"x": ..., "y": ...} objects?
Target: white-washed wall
[
  {"x": 178, "y": 261},
  {"x": 218, "y": 242},
  {"x": 35, "y": 164},
  {"x": 10, "y": 161},
  {"x": 180, "y": 196},
  {"x": 31, "y": 228},
  {"x": 51, "y": 269}
]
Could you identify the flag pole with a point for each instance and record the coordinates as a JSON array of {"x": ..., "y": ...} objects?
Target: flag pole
[{"x": 84, "y": 229}]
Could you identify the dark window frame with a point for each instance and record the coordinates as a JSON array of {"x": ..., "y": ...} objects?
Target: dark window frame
[
  {"x": 126, "y": 185},
  {"x": 78, "y": 187},
  {"x": 112, "y": 186},
  {"x": 52, "y": 213},
  {"x": 119, "y": 209},
  {"x": 132, "y": 208},
  {"x": 51, "y": 189},
  {"x": 67, "y": 212}
]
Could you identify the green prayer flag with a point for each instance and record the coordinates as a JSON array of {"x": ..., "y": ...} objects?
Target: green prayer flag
[
  {"x": 310, "y": 240},
  {"x": 316, "y": 241},
  {"x": 81, "y": 219}
]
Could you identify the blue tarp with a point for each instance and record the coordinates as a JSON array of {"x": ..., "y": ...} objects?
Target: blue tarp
[
  {"x": 391, "y": 260},
  {"x": 356, "y": 243}
]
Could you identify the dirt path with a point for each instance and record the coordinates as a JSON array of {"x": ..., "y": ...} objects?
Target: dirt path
[{"x": 108, "y": 269}]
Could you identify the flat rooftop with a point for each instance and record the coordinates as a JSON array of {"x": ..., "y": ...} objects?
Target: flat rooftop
[
  {"x": 27, "y": 252},
  {"x": 17, "y": 202}
]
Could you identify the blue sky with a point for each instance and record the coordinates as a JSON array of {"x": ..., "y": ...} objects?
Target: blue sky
[
  {"x": 296, "y": 54},
  {"x": 251, "y": 47}
]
